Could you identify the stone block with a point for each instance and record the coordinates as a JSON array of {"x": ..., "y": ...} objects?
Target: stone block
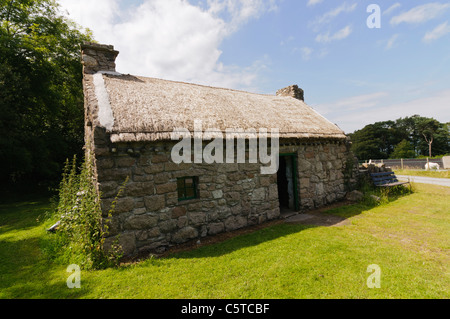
[
  {"x": 178, "y": 212},
  {"x": 303, "y": 165},
  {"x": 319, "y": 189},
  {"x": 185, "y": 234},
  {"x": 235, "y": 222},
  {"x": 166, "y": 188},
  {"x": 217, "y": 194},
  {"x": 273, "y": 192},
  {"x": 154, "y": 203},
  {"x": 147, "y": 234},
  {"x": 161, "y": 178},
  {"x": 155, "y": 159},
  {"x": 136, "y": 189},
  {"x": 154, "y": 168},
  {"x": 112, "y": 226},
  {"x": 167, "y": 226},
  {"x": 265, "y": 180},
  {"x": 170, "y": 166},
  {"x": 273, "y": 214},
  {"x": 310, "y": 155},
  {"x": 108, "y": 189},
  {"x": 125, "y": 161},
  {"x": 182, "y": 221},
  {"x": 197, "y": 218},
  {"x": 127, "y": 242},
  {"x": 113, "y": 174},
  {"x": 304, "y": 182},
  {"x": 104, "y": 162},
  {"x": 232, "y": 197},
  {"x": 354, "y": 196},
  {"x": 123, "y": 205},
  {"x": 216, "y": 228},
  {"x": 259, "y": 194},
  {"x": 140, "y": 222}
]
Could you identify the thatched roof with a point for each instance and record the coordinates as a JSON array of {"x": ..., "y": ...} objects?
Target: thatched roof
[{"x": 149, "y": 109}]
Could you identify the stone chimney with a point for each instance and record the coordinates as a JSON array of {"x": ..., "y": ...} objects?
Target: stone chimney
[
  {"x": 292, "y": 91},
  {"x": 98, "y": 57}
]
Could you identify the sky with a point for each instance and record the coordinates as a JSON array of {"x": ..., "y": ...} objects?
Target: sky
[{"x": 359, "y": 62}]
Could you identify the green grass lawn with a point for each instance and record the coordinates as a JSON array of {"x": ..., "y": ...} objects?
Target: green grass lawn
[
  {"x": 408, "y": 238},
  {"x": 436, "y": 174}
]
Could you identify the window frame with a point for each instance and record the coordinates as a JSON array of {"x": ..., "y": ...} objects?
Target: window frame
[{"x": 184, "y": 188}]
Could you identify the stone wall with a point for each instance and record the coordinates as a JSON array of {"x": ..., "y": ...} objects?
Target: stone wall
[
  {"x": 149, "y": 217},
  {"x": 292, "y": 91},
  {"x": 98, "y": 57},
  {"x": 446, "y": 162},
  {"x": 322, "y": 176}
]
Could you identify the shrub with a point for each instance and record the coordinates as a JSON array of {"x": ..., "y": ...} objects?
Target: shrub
[
  {"x": 81, "y": 229},
  {"x": 375, "y": 196}
]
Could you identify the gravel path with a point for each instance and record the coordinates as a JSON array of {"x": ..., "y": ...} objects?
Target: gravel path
[{"x": 425, "y": 180}]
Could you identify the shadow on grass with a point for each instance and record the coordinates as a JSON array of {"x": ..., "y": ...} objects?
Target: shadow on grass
[
  {"x": 338, "y": 214},
  {"x": 26, "y": 273}
]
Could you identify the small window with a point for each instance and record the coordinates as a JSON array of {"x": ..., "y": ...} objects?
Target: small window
[{"x": 187, "y": 188}]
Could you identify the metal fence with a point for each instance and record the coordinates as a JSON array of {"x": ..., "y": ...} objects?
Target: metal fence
[{"x": 410, "y": 163}]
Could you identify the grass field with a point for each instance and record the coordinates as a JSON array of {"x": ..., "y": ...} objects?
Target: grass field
[{"x": 408, "y": 238}]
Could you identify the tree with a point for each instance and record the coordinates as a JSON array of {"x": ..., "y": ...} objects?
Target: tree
[
  {"x": 428, "y": 128},
  {"x": 375, "y": 141},
  {"x": 41, "y": 97},
  {"x": 383, "y": 140},
  {"x": 403, "y": 149}
]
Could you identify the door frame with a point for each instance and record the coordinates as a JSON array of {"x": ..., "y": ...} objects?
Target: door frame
[{"x": 294, "y": 170}]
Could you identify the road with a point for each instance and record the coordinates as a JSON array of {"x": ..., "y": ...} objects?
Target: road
[{"x": 426, "y": 180}]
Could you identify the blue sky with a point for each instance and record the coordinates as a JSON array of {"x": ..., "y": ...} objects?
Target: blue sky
[{"x": 352, "y": 74}]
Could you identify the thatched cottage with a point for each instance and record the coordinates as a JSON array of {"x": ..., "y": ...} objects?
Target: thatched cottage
[{"x": 129, "y": 127}]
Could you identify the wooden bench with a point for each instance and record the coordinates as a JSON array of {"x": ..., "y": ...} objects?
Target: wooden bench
[{"x": 386, "y": 179}]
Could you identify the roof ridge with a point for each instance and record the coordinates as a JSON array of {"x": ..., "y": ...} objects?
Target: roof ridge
[{"x": 193, "y": 84}]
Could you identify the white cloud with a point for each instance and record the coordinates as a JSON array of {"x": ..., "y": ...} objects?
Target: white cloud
[
  {"x": 330, "y": 15},
  {"x": 339, "y": 35},
  {"x": 240, "y": 10},
  {"x": 313, "y": 2},
  {"x": 354, "y": 113},
  {"x": 173, "y": 40},
  {"x": 306, "y": 53},
  {"x": 392, "y": 8},
  {"x": 421, "y": 13},
  {"x": 390, "y": 43},
  {"x": 353, "y": 103},
  {"x": 288, "y": 40},
  {"x": 437, "y": 32}
]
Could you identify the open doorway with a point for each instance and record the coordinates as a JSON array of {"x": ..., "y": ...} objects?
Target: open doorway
[{"x": 287, "y": 184}]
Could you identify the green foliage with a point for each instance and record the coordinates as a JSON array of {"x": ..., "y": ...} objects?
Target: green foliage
[
  {"x": 376, "y": 196},
  {"x": 380, "y": 140},
  {"x": 403, "y": 149},
  {"x": 41, "y": 97},
  {"x": 80, "y": 235}
]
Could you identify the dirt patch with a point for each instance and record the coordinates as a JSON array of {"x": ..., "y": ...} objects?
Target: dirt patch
[{"x": 319, "y": 218}]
